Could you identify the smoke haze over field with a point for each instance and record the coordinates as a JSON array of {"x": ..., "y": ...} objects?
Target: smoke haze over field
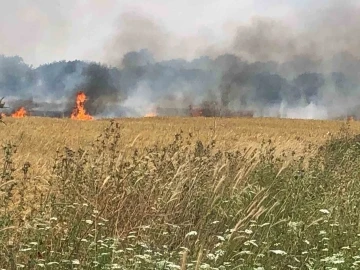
[{"x": 282, "y": 60}]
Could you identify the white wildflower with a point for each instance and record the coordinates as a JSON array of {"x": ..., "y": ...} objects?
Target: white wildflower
[
  {"x": 76, "y": 261},
  {"x": 325, "y": 211},
  {"x": 25, "y": 249},
  {"x": 220, "y": 238},
  {"x": 247, "y": 252},
  {"x": 192, "y": 233},
  {"x": 278, "y": 252},
  {"x": 52, "y": 263}
]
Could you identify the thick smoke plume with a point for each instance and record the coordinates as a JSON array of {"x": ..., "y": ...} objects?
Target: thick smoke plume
[
  {"x": 100, "y": 88},
  {"x": 266, "y": 67},
  {"x": 30, "y": 28}
]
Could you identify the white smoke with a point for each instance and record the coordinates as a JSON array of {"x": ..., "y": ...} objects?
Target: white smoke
[{"x": 140, "y": 102}]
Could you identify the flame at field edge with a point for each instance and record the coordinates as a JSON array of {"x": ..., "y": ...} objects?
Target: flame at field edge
[
  {"x": 19, "y": 113},
  {"x": 152, "y": 113},
  {"x": 79, "y": 112}
]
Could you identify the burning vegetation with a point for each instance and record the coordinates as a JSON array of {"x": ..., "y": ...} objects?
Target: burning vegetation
[
  {"x": 79, "y": 112},
  {"x": 19, "y": 113},
  {"x": 206, "y": 109},
  {"x": 152, "y": 113}
]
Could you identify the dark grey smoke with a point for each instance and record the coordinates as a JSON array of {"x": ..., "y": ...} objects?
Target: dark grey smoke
[
  {"x": 100, "y": 88},
  {"x": 136, "y": 33},
  {"x": 267, "y": 67},
  {"x": 143, "y": 83}
]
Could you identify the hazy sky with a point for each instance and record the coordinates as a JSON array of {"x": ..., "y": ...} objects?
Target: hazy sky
[{"x": 42, "y": 31}]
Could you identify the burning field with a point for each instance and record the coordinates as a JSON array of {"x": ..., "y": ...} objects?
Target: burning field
[
  {"x": 222, "y": 86},
  {"x": 203, "y": 122},
  {"x": 78, "y": 112},
  {"x": 63, "y": 171},
  {"x": 233, "y": 130},
  {"x": 179, "y": 166},
  {"x": 233, "y": 146},
  {"x": 90, "y": 165}
]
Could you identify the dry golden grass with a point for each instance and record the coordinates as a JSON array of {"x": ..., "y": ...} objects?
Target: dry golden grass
[
  {"x": 39, "y": 138},
  {"x": 148, "y": 209}
]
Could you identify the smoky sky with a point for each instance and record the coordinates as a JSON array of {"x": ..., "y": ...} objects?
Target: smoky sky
[
  {"x": 34, "y": 28},
  {"x": 103, "y": 31},
  {"x": 304, "y": 66},
  {"x": 318, "y": 30},
  {"x": 45, "y": 31},
  {"x": 325, "y": 32}
]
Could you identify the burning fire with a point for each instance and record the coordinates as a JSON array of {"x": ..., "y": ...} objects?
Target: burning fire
[
  {"x": 151, "y": 114},
  {"x": 79, "y": 112},
  {"x": 19, "y": 113}
]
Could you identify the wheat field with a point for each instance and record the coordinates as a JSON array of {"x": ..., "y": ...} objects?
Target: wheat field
[
  {"x": 157, "y": 193},
  {"x": 38, "y": 138}
]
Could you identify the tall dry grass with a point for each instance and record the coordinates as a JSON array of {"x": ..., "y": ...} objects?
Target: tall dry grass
[
  {"x": 179, "y": 194},
  {"x": 38, "y": 138}
]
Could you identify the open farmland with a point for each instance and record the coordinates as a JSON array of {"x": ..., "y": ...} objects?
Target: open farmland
[
  {"x": 39, "y": 138},
  {"x": 179, "y": 193}
]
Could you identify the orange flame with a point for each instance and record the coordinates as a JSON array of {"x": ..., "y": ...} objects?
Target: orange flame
[
  {"x": 79, "y": 112},
  {"x": 153, "y": 113},
  {"x": 150, "y": 114},
  {"x": 21, "y": 112}
]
